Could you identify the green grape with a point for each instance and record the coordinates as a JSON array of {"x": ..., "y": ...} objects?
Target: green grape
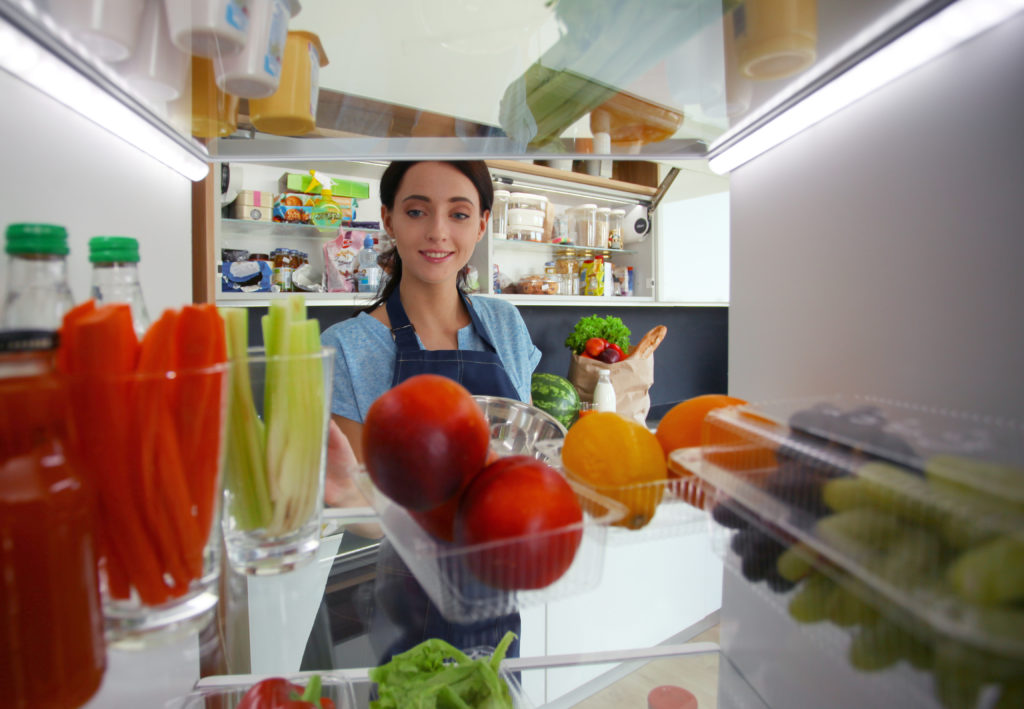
[
  {"x": 796, "y": 562},
  {"x": 898, "y": 490},
  {"x": 997, "y": 481},
  {"x": 841, "y": 494},
  {"x": 860, "y": 533},
  {"x": 808, "y": 604},
  {"x": 914, "y": 558},
  {"x": 975, "y": 662},
  {"x": 875, "y": 647},
  {"x": 846, "y": 607},
  {"x": 956, "y": 690},
  {"x": 991, "y": 573}
]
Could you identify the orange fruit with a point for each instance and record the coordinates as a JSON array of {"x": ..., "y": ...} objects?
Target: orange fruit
[
  {"x": 681, "y": 426},
  {"x": 618, "y": 458}
]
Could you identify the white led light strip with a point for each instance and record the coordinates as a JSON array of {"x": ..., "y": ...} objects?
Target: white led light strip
[
  {"x": 24, "y": 58},
  {"x": 939, "y": 33}
]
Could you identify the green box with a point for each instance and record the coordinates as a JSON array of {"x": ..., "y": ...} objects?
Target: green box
[{"x": 297, "y": 182}]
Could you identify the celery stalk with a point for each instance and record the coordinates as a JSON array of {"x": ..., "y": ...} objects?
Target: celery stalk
[{"x": 244, "y": 465}]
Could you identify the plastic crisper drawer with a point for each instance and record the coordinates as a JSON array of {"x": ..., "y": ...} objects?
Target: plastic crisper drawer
[
  {"x": 678, "y": 503},
  {"x": 445, "y": 570},
  {"x": 902, "y": 524}
]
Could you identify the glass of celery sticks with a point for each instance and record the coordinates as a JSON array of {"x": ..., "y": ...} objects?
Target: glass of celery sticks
[{"x": 276, "y": 440}]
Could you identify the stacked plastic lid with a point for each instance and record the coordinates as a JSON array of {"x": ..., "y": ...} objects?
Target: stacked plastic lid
[{"x": 901, "y": 524}]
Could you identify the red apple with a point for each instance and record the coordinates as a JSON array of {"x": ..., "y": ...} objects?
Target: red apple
[
  {"x": 422, "y": 439},
  {"x": 440, "y": 521},
  {"x": 528, "y": 504}
]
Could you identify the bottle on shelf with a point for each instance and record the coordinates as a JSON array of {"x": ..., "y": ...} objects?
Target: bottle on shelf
[
  {"x": 115, "y": 276},
  {"x": 37, "y": 293},
  {"x": 604, "y": 392},
  {"x": 369, "y": 270},
  {"x": 326, "y": 214}
]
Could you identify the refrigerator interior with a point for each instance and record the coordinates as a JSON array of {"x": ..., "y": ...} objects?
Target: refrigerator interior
[{"x": 879, "y": 253}]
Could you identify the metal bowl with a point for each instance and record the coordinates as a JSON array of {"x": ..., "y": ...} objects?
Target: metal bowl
[{"x": 517, "y": 428}]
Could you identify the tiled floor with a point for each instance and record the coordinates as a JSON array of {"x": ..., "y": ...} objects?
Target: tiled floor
[{"x": 696, "y": 673}]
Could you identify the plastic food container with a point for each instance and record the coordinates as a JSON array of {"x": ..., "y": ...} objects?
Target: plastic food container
[
  {"x": 525, "y": 200},
  {"x": 214, "y": 113},
  {"x": 157, "y": 69},
  {"x": 526, "y": 233},
  {"x": 900, "y": 524},
  {"x": 107, "y": 28},
  {"x": 520, "y": 217},
  {"x": 517, "y": 428},
  {"x": 255, "y": 71},
  {"x": 583, "y": 224},
  {"x": 602, "y": 225},
  {"x": 208, "y": 28},
  {"x": 499, "y": 214},
  {"x": 291, "y": 110},
  {"x": 337, "y": 689},
  {"x": 539, "y": 284}
]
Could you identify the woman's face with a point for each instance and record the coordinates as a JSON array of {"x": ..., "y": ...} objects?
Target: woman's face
[{"x": 436, "y": 222}]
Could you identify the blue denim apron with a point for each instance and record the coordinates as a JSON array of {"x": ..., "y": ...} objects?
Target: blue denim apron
[{"x": 482, "y": 373}]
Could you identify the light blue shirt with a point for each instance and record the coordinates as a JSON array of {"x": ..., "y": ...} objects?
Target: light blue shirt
[{"x": 365, "y": 361}]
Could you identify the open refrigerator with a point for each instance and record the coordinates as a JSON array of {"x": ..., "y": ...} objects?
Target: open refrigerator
[{"x": 874, "y": 253}]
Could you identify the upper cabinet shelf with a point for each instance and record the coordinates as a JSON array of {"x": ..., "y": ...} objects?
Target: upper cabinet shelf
[{"x": 644, "y": 80}]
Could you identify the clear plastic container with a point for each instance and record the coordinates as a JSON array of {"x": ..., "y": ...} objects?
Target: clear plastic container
[
  {"x": 602, "y": 222},
  {"x": 903, "y": 525},
  {"x": 615, "y": 228},
  {"x": 539, "y": 284},
  {"x": 337, "y": 689},
  {"x": 583, "y": 224},
  {"x": 525, "y": 200},
  {"x": 520, "y": 217},
  {"x": 499, "y": 214},
  {"x": 526, "y": 233}
]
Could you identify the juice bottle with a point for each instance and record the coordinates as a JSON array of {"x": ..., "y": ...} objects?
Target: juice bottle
[{"x": 52, "y": 651}]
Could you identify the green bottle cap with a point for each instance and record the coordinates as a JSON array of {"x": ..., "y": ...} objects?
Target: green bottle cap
[
  {"x": 105, "y": 249},
  {"x": 37, "y": 239}
]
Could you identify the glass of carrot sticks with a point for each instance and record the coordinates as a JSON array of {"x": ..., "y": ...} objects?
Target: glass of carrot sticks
[
  {"x": 278, "y": 413},
  {"x": 148, "y": 420}
]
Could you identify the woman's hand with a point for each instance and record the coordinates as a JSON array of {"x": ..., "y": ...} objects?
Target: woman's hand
[{"x": 340, "y": 488}]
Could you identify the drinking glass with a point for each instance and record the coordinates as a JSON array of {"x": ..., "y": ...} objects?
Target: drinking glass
[{"x": 275, "y": 455}]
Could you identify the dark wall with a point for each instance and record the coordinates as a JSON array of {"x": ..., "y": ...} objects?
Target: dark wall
[{"x": 692, "y": 360}]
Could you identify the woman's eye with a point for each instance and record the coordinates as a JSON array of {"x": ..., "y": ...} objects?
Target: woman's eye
[
  {"x": 460, "y": 215},
  {"x": 414, "y": 212}
]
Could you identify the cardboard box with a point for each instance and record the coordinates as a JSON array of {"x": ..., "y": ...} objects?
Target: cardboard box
[
  {"x": 253, "y": 205},
  {"x": 297, "y": 182}
]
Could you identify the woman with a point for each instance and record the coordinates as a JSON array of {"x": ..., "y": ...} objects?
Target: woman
[{"x": 422, "y": 322}]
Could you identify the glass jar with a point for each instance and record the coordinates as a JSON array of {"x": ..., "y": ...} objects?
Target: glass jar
[
  {"x": 582, "y": 224},
  {"x": 615, "y": 228},
  {"x": 115, "y": 276},
  {"x": 51, "y": 597},
  {"x": 499, "y": 214},
  {"x": 568, "y": 267},
  {"x": 601, "y": 223}
]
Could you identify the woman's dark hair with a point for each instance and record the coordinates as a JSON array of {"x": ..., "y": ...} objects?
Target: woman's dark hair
[{"x": 478, "y": 174}]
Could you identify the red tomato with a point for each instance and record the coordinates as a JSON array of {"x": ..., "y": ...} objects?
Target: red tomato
[
  {"x": 595, "y": 346},
  {"x": 522, "y": 500},
  {"x": 269, "y": 694},
  {"x": 613, "y": 346},
  {"x": 422, "y": 439}
]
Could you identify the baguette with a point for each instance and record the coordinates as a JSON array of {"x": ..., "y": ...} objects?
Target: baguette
[{"x": 649, "y": 342}]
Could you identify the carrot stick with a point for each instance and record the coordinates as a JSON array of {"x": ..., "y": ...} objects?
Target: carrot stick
[
  {"x": 103, "y": 344},
  {"x": 151, "y": 403},
  {"x": 67, "y": 332},
  {"x": 117, "y": 577},
  {"x": 177, "y": 502},
  {"x": 198, "y": 403}
]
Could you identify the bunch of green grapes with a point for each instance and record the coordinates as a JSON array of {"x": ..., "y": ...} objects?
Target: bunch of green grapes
[{"x": 941, "y": 539}]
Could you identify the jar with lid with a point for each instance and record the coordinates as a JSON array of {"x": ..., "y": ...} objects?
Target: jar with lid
[
  {"x": 582, "y": 224},
  {"x": 601, "y": 224},
  {"x": 499, "y": 214},
  {"x": 115, "y": 276},
  {"x": 615, "y": 228},
  {"x": 568, "y": 267},
  {"x": 37, "y": 293},
  {"x": 283, "y": 268}
]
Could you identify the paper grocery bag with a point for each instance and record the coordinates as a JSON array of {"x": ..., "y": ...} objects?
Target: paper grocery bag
[{"x": 631, "y": 378}]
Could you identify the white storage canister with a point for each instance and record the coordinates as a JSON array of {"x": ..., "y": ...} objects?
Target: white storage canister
[
  {"x": 255, "y": 72},
  {"x": 601, "y": 224},
  {"x": 499, "y": 214}
]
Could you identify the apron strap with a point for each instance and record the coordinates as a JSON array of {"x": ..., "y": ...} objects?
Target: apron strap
[{"x": 404, "y": 333}]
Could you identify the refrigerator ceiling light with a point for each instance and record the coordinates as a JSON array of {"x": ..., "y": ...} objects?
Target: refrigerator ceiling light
[
  {"x": 24, "y": 58},
  {"x": 940, "y": 32}
]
